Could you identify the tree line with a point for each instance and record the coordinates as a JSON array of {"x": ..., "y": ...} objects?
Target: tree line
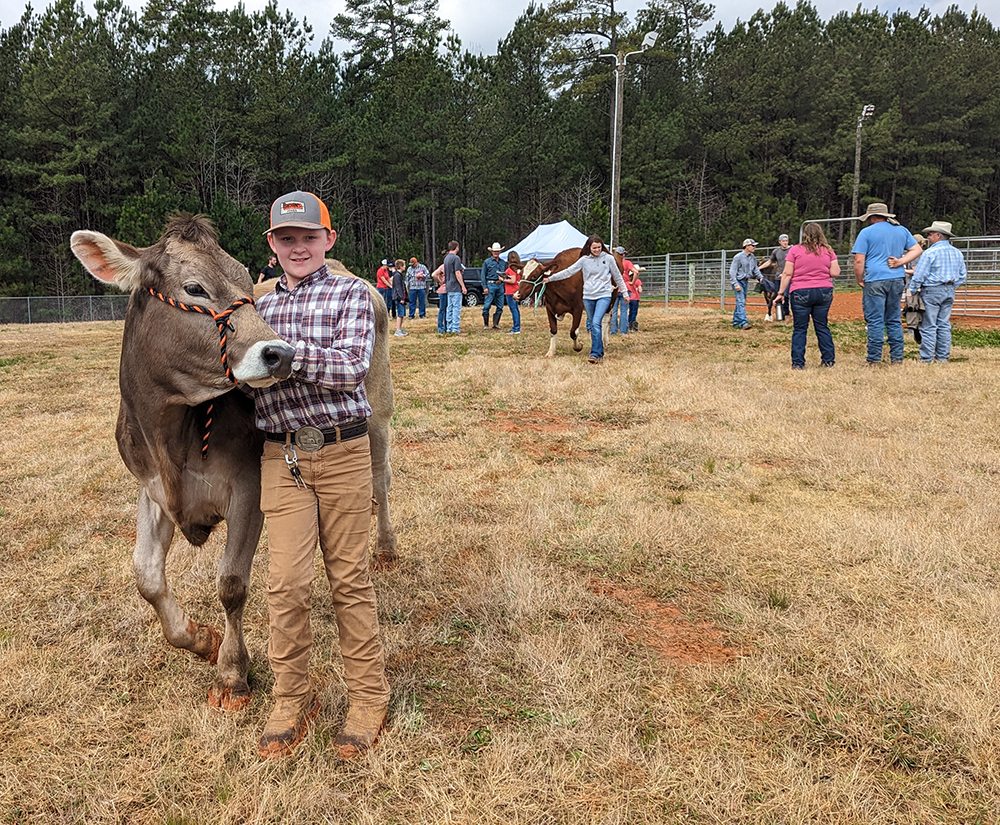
[{"x": 114, "y": 120}]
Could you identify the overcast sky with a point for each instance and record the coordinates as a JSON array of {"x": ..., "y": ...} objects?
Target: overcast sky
[{"x": 481, "y": 23}]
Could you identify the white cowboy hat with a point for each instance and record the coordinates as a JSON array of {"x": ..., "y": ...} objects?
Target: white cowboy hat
[
  {"x": 939, "y": 226},
  {"x": 495, "y": 248}
]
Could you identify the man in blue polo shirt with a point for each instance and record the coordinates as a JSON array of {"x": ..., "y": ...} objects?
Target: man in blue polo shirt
[
  {"x": 881, "y": 251},
  {"x": 940, "y": 269}
]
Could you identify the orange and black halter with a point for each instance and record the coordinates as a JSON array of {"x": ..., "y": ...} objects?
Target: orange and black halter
[{"x": 223, "y": 323}]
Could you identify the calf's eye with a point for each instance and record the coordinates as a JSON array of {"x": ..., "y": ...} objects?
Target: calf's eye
[{"x": 195, "y": 290}]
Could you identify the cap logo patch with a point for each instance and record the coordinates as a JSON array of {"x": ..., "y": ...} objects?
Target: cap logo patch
[{"x": 293, "y": 207}]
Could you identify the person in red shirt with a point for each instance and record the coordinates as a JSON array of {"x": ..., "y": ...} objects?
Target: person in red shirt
[
  {"x": 383, "y": 283},
  {"x": 511, "y": 278}
]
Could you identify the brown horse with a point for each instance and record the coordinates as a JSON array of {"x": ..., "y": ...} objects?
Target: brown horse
[{"x": 561, "y": 297}]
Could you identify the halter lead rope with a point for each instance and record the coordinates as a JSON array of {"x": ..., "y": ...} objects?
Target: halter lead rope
[{"x": 222, "y": 321}]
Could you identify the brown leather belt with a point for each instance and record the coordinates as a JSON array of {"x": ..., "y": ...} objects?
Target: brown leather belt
[{"x": 338, "y": 434}]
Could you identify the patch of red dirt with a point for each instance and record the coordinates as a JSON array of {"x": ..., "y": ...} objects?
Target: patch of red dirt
[
  {"x": 847, "y": 307},
  {"x": 663, "y": 628},
  {"x": 536, "y": 421}
]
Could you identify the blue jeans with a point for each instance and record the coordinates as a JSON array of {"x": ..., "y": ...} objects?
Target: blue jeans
[
  {"x": 493, "y": 297},
  {"x": 386, "y": 293},
  {"x": 811, "y": 303},
  {"x": 418, "y": 296},
  {"x": 515, "y": 313},
  {"x": 619, "y": 316},
  {"x": 935, "y": 326},
  {"x": 881, "y": 302},
  {"x": 596, "y": 309},
  {"x": 740, "y": 313},
  {"x": 633, "y": 313},
  {"x": 455, "y": 311},
  {"x": 442, "y": 312}
]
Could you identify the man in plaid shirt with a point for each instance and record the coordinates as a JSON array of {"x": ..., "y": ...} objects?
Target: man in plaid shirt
[
  {"x": 938, "y": 272},
  {"x": 316, "y": 480}
]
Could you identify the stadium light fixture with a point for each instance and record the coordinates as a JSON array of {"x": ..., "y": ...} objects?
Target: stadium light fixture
[
  {"x": 621, "y": 60},
  {"x": 866, "y": 112}
]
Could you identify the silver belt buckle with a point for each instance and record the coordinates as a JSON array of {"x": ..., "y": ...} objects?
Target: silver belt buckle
[{"x": 309, "y": 439}]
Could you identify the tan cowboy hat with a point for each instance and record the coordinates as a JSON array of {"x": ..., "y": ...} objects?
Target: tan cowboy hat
[
  {"x": 920, "y": 239},
  {"x": 879, "y": 209},
  {"x": 939, "y": 226},
  {"x": 495, "y": 248}
]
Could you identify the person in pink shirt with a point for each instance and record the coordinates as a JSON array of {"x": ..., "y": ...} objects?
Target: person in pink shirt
[
  {"x": 810, "y": 268},
  {"x": 634, "y": 291}
]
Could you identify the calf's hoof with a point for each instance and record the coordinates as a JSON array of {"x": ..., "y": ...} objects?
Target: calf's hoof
[
  {"x": 229, "y": 697},
  {"x": 385, "y": 560},
  {"x": 208, "y": 640}
]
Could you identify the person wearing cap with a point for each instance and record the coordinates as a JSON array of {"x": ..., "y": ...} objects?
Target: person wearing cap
[
  {"x": 937, "y": 274},
  {"x": 493, "y": 285},
  {"x": 881, "y": 251},
  {"x": 741, "y": 270},
  {"x": 316, "y": 481},
  {"x": 383, "y": 283},
  {"x": 455, "y": 287},
  {"x": 511, "y": 278},
  {"x": 774, "y": 263},
  {"x": 416, "y": 287},
  {"x": 268, "y": 272},
  {"x": 620, "y": 310}
]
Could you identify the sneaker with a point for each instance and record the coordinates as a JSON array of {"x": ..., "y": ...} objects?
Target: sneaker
[
  {"x": 827, "y": 364},
  {"x": 287, "y": 725},
  {"x": 361, "y": 729},
  {"x": 797, "y": 367},
  {"x": 745, "y": 326},
  {"x": 400, "y": 333},
  {"x": 513, "y": 332}
]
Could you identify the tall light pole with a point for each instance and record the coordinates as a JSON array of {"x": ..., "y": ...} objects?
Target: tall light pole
[
  {"x": 621, "y": 59},
  {"x": 866, "y": 112}
]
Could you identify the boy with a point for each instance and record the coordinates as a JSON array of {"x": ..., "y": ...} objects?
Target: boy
[{"x": 316, "y": 480}]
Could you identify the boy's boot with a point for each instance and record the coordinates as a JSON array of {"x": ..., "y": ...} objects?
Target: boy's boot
[
  {"x": 287, "y": 725},
  {"x": 361, "y": 729}
]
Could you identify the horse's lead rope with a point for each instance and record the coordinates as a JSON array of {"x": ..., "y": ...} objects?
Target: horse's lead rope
[{"x": 223, "y": 323}]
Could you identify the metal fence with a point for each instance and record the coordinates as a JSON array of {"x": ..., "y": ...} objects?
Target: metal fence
[
  {"x": 61, "y": 309},
  {"x": 692, "y": 278},
  {"x": 702, "y": 278}
]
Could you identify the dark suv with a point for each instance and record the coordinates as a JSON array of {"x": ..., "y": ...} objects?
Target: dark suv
[{"x": 473, "y": 278}]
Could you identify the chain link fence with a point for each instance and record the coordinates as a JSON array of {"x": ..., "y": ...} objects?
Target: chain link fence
[
  {"x": 63, "y": 309},
  {"x": 702, "y": 278}
]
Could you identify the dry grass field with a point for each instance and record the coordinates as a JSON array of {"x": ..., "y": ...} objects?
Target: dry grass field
[{"x": 686, "y": 585}]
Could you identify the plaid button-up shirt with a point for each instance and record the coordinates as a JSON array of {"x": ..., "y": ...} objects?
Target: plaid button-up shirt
[
  {"x": 941, "y": 264},
  {"x": 329, "y": 320}
]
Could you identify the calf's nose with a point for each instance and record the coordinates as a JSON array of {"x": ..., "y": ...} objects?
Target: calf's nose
[{"x": 278, "y": 357}]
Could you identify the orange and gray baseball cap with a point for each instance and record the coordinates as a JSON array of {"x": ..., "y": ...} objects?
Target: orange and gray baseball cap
[{"x": 299, "y": 209}]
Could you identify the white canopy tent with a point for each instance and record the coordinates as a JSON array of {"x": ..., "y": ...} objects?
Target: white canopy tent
[{"x": 547, "y": 241}]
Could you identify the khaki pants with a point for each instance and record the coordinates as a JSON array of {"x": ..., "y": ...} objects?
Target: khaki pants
[{"x": 335, "y": 508}]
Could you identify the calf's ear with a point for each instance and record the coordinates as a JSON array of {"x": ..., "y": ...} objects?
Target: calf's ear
[{"x": 107, "y": 259}]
